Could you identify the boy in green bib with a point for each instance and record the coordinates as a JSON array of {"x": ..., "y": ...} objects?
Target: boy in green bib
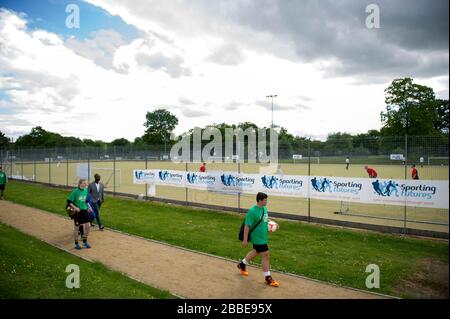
[
  {"x": 257, "y": 219},
  {"x": 3, "y": 181},
  {"x": 77, "y": 200}
]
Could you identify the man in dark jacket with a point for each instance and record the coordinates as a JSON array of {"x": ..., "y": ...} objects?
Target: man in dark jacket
[{"x": 96, "y": 190}]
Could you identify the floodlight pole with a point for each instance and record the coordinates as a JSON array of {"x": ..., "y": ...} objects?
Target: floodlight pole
[{"x": 271, "y": 97}]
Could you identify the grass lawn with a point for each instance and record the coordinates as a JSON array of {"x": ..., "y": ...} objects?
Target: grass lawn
[
  {"x": 30, "y": 268},
  {"x": 330, "y": 254}
]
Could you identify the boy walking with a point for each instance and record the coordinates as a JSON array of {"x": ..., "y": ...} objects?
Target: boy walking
[
  {"x": 96, "y": 190},
  {"x": 77, "y": 200},
  {"x": 3, "y": 181},
  {"x": 257, "y": 220}
]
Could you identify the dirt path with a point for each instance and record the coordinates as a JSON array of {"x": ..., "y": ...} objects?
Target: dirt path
[{"x": 184, "y": 273}]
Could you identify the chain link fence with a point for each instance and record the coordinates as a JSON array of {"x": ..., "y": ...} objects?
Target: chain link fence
[{"x": 391, "y": 157}]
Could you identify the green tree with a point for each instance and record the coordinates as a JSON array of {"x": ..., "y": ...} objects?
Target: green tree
[
  {"x": 367, "y": 142},
  {"x": 410, "y": 109},
  {"x": 91, "y": 143},
  {"x": 159, "y": 124},
  {"x": 71, "y": 141},
  {"x": 120, "y": 142},
  {"x": 138, "y": 141},
  {"x": 339, "y": 144},
  {"x": 38, "y": 137},
  {"x": 441, "y": 122},
  {"x": 4, "y": 140}
]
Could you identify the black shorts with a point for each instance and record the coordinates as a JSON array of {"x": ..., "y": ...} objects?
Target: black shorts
[
  {"x": 2, "y": 187},
  {"x": 260, "y": 248},
  {"x": 81, "y": 217}
]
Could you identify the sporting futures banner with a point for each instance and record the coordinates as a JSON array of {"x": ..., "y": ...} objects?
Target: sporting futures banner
[{"x": 418, "y": 193}]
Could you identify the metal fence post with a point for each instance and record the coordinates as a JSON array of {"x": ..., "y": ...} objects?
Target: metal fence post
[
  {"x": 406, "y": 176},
  {"x": 34, "y": 170},
  {"x": 89, "y": 165},
  {"x": 239, "y": 193},
  {"x": 146, "y": 185},
  {"x": 309, "y": 180},
  {"x": 67, "y": 170},
  {"x": 50, "y": 169},
  {"x": 186, "y": 188},
  {"x": 10, "y": 165},
  {"x": 114, "y": 171},
  {"x": 21, "y": 163}
]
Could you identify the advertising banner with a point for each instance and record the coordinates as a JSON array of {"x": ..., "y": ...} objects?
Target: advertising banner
[{"x": 426, "y": 193}]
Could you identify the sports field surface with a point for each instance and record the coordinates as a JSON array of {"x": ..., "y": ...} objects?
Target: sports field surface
[
  {"x": 389, "y": 215},
  {"x": 410, "y": 267}
]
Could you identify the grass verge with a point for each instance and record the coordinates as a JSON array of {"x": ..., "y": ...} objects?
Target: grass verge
[{"x": 30, "y": 268}]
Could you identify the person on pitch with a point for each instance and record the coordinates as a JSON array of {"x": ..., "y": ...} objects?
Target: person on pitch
[{"x": 372, "y": 172}]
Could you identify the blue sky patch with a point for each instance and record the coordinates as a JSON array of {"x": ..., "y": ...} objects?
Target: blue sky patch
[{"x": 51, "y": 15}]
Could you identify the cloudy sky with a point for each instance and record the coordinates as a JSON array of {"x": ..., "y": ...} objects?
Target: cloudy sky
[{"x": 213, "y": 61}]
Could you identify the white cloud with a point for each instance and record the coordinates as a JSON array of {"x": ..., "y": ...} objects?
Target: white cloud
[
  {"x": 158, "y": 61},
  {"x": 100, "y": 48}
]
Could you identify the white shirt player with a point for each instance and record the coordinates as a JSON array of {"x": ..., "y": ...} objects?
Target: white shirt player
[
  {"x": 421, "y": 160},
  {"x": 347, "y": 160}
]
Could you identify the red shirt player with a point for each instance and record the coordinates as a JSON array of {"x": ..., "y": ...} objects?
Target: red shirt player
[
  {"x": 203, "y": 168},
  {"x": 372, "y": 173},
  {"x": 414, "y": 172}
]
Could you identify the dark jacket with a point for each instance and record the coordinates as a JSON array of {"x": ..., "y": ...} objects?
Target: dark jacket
[{"x": 96, "y": 195}]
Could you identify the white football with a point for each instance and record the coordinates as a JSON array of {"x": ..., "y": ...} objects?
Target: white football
[{"x": 273, "y": 226}]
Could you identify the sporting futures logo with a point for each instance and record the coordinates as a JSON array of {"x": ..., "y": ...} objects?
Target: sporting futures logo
[
  {"x": 324, "y": 184},
  {"x": 233, "y": 180},
  {"x": 386, "y": 188},
  {"x": 142, "y": 175},
  {"x": 194, "y": 178},
  {"x": 275, "y": 182},
  {"x": 392, "y": 188},
  {"x": 168, "y": 176}
]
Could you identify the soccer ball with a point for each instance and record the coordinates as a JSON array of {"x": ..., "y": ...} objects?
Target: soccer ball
[
  {"x": 273, "y": 226},
  {"x": 70, "y": 211}
]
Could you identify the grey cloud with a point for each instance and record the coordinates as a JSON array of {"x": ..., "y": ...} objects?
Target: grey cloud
[
  {"x": 305, "y": 98},
  {"x": 158, "y": 61},
  {"x": 228, "y": 54},
  {"x": 58, "y": 89},
  {"x": 302, "y": 106},
  {"x": 442, "y": 95},
  {"x": 232, "y": 106},
  {"x": 412, "y": 40},
  {"x": 278, "y": 107},
  {"x": 190, "y": 112},
  {"x": 185, "y": 101},
  {"x": 11, "y": 121},
  {"x": 409, "y": 42},
  {"x": 100, "y": 48}
]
